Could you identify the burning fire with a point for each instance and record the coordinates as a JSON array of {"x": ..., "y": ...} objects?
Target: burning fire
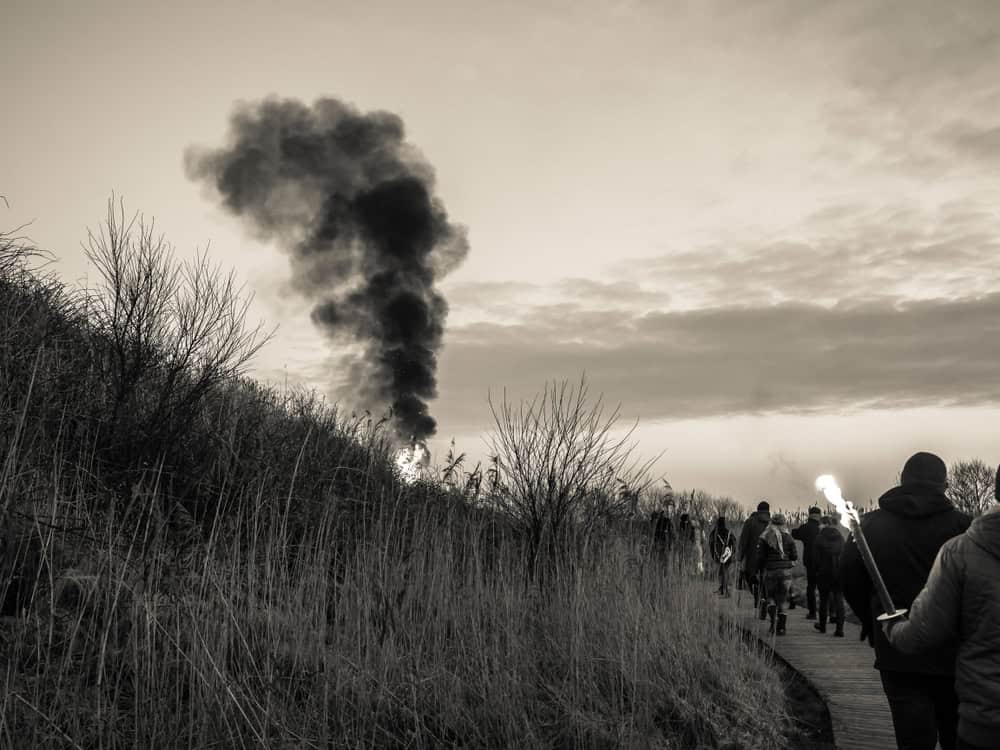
[
  {"x": 828, "y": 486},
  {"x": 411, "y": 462}
]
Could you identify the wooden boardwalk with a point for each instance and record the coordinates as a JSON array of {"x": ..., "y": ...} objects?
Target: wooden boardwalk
[{"x": 840, "y": 669}]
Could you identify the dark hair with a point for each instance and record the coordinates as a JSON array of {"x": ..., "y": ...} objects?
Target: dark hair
[{"x": 763, "y": 505}]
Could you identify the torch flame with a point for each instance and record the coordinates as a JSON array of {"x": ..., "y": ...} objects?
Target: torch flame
[
  {"x": 411, "y": 462},
  {"x": 828, "y": 486}
]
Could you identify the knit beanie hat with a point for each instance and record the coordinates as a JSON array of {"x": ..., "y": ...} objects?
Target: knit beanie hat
[
  {"x": 926, "y": 469},
  {"x": 815, "y": 512},
  {"x": 763, "y": 505},
  {"x": 778, "y": 520}
]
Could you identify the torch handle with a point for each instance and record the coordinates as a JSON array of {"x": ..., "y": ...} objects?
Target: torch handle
[{"x": 873, "y": 572}]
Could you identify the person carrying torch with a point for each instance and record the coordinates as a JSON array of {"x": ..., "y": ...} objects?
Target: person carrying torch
[{"x": 884, "y": 565}]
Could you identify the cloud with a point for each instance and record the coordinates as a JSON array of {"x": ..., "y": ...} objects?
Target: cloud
[
  {"x": 791, "y": 357},
  {"x": 840, "y": 253}
]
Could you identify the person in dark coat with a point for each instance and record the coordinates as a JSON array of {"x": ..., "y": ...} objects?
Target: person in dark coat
[
  {"x": 961, "y": 604},
  {"x": 807, "y": 533},
  {"x": 776, "y": 555},
  {"x": 753, "y": 527},
  {"x": 686, "y": 548},
  {"x": 826, "y": 553},
  {"x": 905, "y": 533},
  {"x": 722, "y": 547},
  {"x": 663, "y": 533}
]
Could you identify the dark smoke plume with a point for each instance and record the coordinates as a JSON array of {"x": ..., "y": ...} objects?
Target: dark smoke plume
[{"x": 353, "y": 204}]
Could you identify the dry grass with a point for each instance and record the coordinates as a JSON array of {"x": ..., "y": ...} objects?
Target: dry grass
[{"x": 418, "y": 633}]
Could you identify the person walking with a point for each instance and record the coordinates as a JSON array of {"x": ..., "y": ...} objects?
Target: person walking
[
  {"x": 776, "y": 555},
  {"x": 905, "y": 533},
  {"x": 753, "y": 527},
  {"x": 685, "y": 543},
  {"x": 827, "y": 549},
  {"x": 722, "y": 547},
  {"x": 960, "y": 604},
  {"x": 807, "y": 533},
  {"x": 663, "y": 533}
]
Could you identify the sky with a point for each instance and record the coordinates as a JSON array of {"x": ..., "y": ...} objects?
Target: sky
[{"x": 769, "y": 229}]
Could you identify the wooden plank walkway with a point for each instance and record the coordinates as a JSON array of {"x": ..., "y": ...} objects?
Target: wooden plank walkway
[{"x": 839, "y": 668}]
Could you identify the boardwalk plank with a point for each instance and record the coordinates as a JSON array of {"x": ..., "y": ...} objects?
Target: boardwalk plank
[{"x": 840, "y": 669}]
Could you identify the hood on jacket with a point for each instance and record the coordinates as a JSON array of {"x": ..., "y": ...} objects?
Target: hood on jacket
[
  {"x": 985, "y": 531},
  {"x": 911, "y": 501}
]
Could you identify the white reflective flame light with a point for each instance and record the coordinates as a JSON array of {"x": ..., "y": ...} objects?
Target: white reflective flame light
[
  {"x": 828, "y": 486},
  {"x": 410, "y": 462}
]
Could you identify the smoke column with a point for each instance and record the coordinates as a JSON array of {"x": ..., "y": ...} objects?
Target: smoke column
[{"x": 353, "y": 205}]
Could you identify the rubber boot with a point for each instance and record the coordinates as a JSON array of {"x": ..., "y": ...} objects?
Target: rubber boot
[
  {"x": 770, "y": 615},
  {"x": 782, "y": 617},
  {"x": 839, "y": 632}
]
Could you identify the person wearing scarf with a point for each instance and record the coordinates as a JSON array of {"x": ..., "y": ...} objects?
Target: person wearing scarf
[{"x": 776, "y": 555}]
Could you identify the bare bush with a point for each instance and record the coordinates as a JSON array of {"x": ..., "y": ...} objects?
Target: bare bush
[
  {"x": 557, "y": 461},
  {"x": 971, "y": 485},
  {"x": 172, "y": 330}
]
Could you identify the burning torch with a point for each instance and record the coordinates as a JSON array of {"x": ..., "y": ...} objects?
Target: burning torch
[{"x": 850, "y": 519}]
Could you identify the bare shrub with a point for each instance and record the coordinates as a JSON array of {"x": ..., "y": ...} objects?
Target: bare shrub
[
  {"x": 557, "y": 461},
  {"x": 172, "y": 331}
]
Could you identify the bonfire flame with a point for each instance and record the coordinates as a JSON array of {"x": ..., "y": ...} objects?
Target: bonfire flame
[{"x": 411, "y": 461}]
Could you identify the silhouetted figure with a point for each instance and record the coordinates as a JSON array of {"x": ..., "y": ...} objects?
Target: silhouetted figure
[
  {"x": 685, "y": 541},
  {"x": 722, "y": 547},
  {"x": 960, "y": 604},
  {"x": 807, "y": 533},
  {"x": 776, "y": 555},
  {"x": 827, "y": 548},
  {"x": 753, "y": 527},
  {"x": 905, "y": 533},
  {"x": 663, "y": 532}
]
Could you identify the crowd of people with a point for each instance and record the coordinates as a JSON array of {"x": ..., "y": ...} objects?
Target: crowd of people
[{"x": 939, "y": 663}]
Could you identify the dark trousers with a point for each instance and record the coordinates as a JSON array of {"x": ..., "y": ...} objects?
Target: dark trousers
[
  {"x": 831, "y": 602},
  {"x": 811, "y": 589},
  {"x": 924, "y": 710},
  {"x": 724, "y": 578},
  {"x": 963, "y": 745}
]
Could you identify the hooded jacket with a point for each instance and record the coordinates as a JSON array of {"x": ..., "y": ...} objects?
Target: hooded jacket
[
  {"x": 753, "y": 527},
  {"x": 827, "y": 549},
  {"x": 961, "y": 602},
  {"x": 904, "y": 534}
]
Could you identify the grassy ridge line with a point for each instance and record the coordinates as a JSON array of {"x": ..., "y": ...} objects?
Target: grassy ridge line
[{"x": 267, "y": 581}]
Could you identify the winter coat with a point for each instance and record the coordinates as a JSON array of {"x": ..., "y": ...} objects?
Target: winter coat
[
  {"x": 807, "y": 533},
  {"x": 663, "y": 530},
  {"x": 768, "y": 558},
  {"x": 685, "y": 532},
  {"x": 961, "y": 602},
  {"x": 720, "y": 539},
  {"x": 753, "y": 527},
  {"x": 827, "y": 548},
  {"x": 904, "y": 534}
]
